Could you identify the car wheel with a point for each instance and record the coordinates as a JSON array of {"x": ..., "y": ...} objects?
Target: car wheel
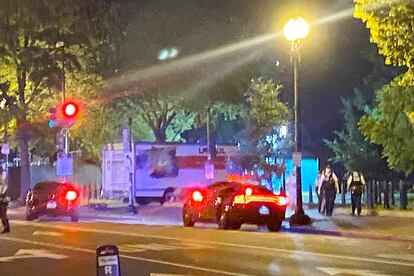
[
  {"x": 236, "y": 226},
  {"x": 274, "y": 226},
  {"x": 167, "y": 192},
  {"x": 74, "y": 216},
  {"x": 188, "y": 219},
  {"x": 30, "y": 216},
  {"x": 223, "y": 222},
  {"x": 143, "y": 201}
]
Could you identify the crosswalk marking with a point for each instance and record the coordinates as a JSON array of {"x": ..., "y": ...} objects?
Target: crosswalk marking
[
  {"x": 47, "y": 233},
  {"x": 33, "y": 253}
]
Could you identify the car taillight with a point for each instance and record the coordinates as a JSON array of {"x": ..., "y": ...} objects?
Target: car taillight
[
  {"x": 282, "y": 201},
  {"x": 197, "y": 196},
  {"x": 71, "y": 195}
]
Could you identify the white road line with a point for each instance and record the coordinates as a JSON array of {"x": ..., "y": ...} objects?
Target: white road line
[
  {"x": 47, "y": 233},
  {"x": 404, "y": 257},
  {"x": 221, "y": 244},
  {"x": 350, "y": 271},
  {"x": 73, "y": 248}
]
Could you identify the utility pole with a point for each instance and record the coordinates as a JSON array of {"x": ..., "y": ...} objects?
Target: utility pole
[
  {"x": 129, "y": 152},
  {"x": 64, "y": 131}
]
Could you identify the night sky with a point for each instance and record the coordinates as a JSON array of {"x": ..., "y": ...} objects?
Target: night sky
[{"x": 332, "y": 64}]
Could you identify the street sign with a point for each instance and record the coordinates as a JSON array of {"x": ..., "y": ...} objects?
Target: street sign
[
  {"x": 64, "y": 164},
  {"x": 297, "y": 158},
  {"x": 5, "y": 149},
  {"x": 107, "y": 261}
]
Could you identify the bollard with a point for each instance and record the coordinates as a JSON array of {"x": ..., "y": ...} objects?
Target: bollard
[
  {"x": 369, "y": 197},
  {"x": 310, "y": 194},
  {"x": 107, "y": 261},
  {"x": 403, "y": 196},
  {"x": 371, "y": 194},
  {"x": 386, "y": 195},
  {"x": 378, "y": 195},
  {"x": 380, "y": 190},
  {"x": 343, "y": 193},
  {"x": 365, "y": 197},
  {"x": 392, "y": 194}
]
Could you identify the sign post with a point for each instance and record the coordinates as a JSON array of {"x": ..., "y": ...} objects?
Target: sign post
[
  {"x": 107, "y": 261},
  {"x": 129, "y": 162},
  {"x": 64, "y": 165}
]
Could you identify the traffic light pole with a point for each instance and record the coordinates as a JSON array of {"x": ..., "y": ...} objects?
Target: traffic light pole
[{"x": 64, "y": 130}]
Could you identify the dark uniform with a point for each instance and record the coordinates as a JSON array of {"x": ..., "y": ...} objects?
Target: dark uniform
[
  {"x": 4, "y": 201},
  {"x": 329, "y": 189},
  {"x": 356, "y": 183}
]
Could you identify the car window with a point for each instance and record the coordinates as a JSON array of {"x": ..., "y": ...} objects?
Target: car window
[{"x": 44, "y": 187}]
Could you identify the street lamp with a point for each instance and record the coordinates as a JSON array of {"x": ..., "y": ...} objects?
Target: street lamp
[{"x": 295, "y": 30}]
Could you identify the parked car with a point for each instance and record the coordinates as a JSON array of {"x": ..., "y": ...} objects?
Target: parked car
[
  {"x": 52, "y": 199},
  {"x": 231, "y": 204}
]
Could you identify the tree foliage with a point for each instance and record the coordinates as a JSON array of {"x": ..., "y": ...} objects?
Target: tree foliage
[
  {"x": 163, "y": 113},
  {"x": 266, "y": 114},
  {"x": 350, "y": 147},
  {"x": 30, "y": 61},
  {"x": 391, "y": 23},
  {"x": 389, "y": 125}
]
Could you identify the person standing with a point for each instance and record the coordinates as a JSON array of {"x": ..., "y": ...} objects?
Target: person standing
[
  {"x": 4, "y": 201},
  {"x": 318, "y": 190},
  {"x": 291, "y": 187},
  {"x": 330, "y": 187},
  {"x": 356, "y": 185}
]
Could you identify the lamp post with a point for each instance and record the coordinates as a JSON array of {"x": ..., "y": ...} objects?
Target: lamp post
[{"x": 296, "y": 30}]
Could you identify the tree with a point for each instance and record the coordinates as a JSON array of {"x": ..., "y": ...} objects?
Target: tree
[
  {"x": 30, "y": 62},
  {"x": 163, "y": 113},
  {"x": 389, "y": 126},
  {"x": 391, "y": 27},
  {"x": 390, "y": 24},
  {"x": 350, "y": 147},
  {"x": 266, "y": 114}
]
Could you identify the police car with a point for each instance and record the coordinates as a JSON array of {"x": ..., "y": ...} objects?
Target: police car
[
  {"x": 231, "y": 204},
  {"x": 52, "y": 199}
]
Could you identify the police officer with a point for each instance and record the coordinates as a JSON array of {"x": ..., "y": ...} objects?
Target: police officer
[
  {"x": 4, "y": 201},
  {"x": 330, "y": 187},
  {"x": 356, "y": 185}
]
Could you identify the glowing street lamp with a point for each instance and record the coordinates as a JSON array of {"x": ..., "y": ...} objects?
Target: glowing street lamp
[{"x": 295, "y": 30}]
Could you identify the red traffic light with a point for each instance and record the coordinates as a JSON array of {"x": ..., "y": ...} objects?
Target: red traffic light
[{"x": 70, "y": 110}]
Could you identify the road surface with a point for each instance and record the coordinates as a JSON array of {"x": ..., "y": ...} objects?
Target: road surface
[{"x": 59, "y": 247}]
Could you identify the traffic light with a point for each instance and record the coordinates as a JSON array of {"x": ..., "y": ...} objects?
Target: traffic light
[
  {"x": 70, "y": 110},
  {"x": 64, "y": 115},
  {"x": 53, "y": 119}
]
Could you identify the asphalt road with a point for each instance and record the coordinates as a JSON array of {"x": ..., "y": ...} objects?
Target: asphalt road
[{"x": 56, "y": 247}]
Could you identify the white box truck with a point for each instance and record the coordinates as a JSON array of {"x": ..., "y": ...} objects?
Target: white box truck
[{"x": 161, "y": 169}]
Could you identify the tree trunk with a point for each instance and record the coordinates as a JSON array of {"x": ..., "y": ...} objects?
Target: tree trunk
[
  {"x": 24, "y": 166},
  {"x": 160, "y": 136}
]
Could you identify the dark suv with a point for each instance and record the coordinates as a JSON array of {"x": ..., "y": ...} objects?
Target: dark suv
[
  {"x": 231, "y": 204},
  {"x": 52, "y": 199}
]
